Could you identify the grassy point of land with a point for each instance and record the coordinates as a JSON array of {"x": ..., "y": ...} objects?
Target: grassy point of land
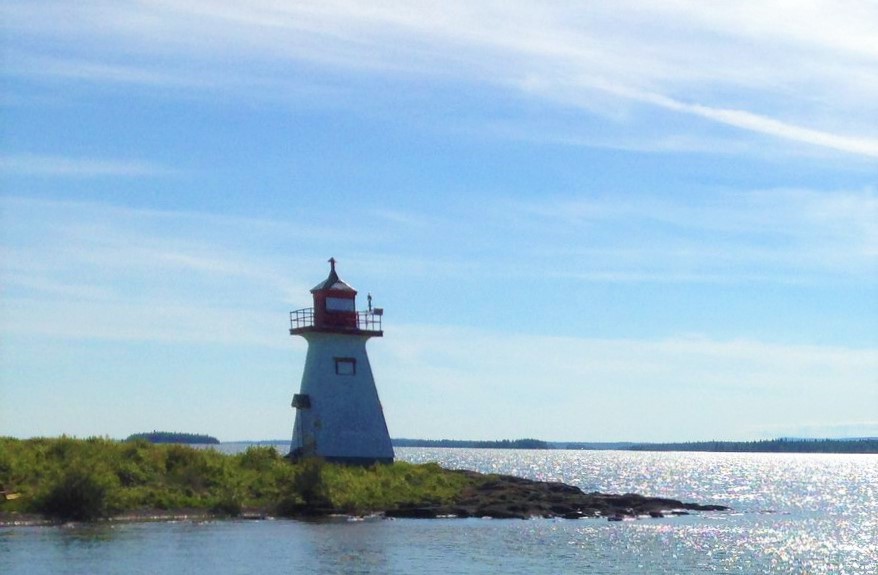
[
  {"x": 88, "y": 479},
  {"x": 66, "y": 479}
]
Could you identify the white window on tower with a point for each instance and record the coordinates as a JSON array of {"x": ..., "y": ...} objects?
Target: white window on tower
[
  {"x": 339, "y": 304},
  {"x": 345, "y": 366}
]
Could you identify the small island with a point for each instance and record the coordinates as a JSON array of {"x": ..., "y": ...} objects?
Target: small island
[
  {"x": 175, "y": 437},
  {"x": 66, "y": 479}
]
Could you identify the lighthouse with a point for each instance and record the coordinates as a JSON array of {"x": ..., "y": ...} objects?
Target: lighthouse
[{"x": 338, "y": 414}]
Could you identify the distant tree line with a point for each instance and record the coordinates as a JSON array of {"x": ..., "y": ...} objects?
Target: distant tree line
[
  {"x": 591, "y": 445},
  {"x": 869, "y": 445},
  {"x": 783, "y": 445},
  {"x": 500, "y": 444},
  {"x": 173, "y": 437}
]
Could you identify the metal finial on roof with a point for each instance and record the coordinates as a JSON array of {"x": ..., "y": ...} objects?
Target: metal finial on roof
[{"x": 332, "y": 281}]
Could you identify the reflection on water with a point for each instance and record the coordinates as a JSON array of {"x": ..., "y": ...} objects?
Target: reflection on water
[
  {"x": 791, "y": 482},
  {"x": 794, "y": 514}
]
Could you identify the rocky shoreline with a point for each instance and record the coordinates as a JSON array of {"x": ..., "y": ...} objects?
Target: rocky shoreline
[{"x": 510, "y": 497}]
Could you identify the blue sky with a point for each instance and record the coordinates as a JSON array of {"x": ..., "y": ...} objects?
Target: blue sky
[{"x": 586, "y": 221}]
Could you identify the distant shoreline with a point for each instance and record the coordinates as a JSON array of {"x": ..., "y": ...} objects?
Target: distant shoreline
[
  {"x": 866, "y": 445},
  {"x": 850, "y": 446},
  {"x": 473, "y": 444},
  {"x": 781, "y": 445}
]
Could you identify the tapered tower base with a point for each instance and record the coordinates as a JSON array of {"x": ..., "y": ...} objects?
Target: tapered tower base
[{"x": 338, "y": 414}]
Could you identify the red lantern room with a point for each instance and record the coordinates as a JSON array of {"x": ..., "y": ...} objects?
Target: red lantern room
[
  {"x": 335, "y": 305},
  {"x": 335, "y": 310}
]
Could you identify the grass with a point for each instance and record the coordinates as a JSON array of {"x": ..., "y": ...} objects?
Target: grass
[{"x": 88, "y": 479}]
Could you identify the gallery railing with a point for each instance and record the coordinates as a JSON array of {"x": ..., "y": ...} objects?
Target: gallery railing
[{"x": 301, "y": 319}]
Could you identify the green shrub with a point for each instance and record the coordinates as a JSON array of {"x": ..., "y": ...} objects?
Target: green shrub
[
  {"x": 308, "y": 482},
  {"x": 259, "y": 458},
  {"x": 80, "y": 494},
  {"x": 363, "y": 489}
]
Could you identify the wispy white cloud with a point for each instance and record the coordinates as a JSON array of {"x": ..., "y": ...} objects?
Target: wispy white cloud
[
  {"x": 542, "y": 132},
  {"x": 696, "y": 361},
  {"x": 181, "y": 219},
  {"x": 47, "y": 286},
  {"x": 786, "y": 210},
  {"x": 745, "y": 120},
  {"x": 760, "y": 67},
  {"x": 144, "y": 320},
  {"x": 116, "y": 253},
  {"x": 62, "y": 166},
  {"x": 23, "y": 64},
  {"x": 102, "y": 255},
  {"x": 113, "y": 268},
  {"x": 791, "y": 235}
]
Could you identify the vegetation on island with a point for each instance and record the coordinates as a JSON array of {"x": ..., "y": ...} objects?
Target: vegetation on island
[
  {"x": 500, "y": 444},
  {"x": 174, "y": 437},
  {"x": 88, "y": 479}
]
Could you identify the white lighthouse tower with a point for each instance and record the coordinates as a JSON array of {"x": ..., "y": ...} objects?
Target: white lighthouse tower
[{"x": 338, "y": 414}]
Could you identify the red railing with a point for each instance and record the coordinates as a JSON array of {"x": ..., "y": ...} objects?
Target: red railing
[{"x": 366, "y": 320}]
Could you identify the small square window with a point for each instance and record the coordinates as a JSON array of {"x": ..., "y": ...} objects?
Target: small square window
[{"x": 345, "y": 366}]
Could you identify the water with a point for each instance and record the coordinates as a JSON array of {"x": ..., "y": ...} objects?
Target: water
[{"x": 793, "y": 514}]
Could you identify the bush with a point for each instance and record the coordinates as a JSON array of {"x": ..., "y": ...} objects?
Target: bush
[
  {"x": 259, "y": 458},
  {"x": 303, "y": 489},
  {"x": 79, "y": 495},
  {"x": 308, "y": 483}
]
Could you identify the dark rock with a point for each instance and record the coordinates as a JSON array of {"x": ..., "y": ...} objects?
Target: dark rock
[
  {"x": 413, "y": 512},
  {"x": 499, "y": 512},
  {"x": 697, "y": 507},
  {"x": 506, "y": 496},
  {"x": 509, "y": 497}
]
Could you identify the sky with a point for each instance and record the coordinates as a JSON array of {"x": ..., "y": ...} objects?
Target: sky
[{"x": 586, "y": 221}]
